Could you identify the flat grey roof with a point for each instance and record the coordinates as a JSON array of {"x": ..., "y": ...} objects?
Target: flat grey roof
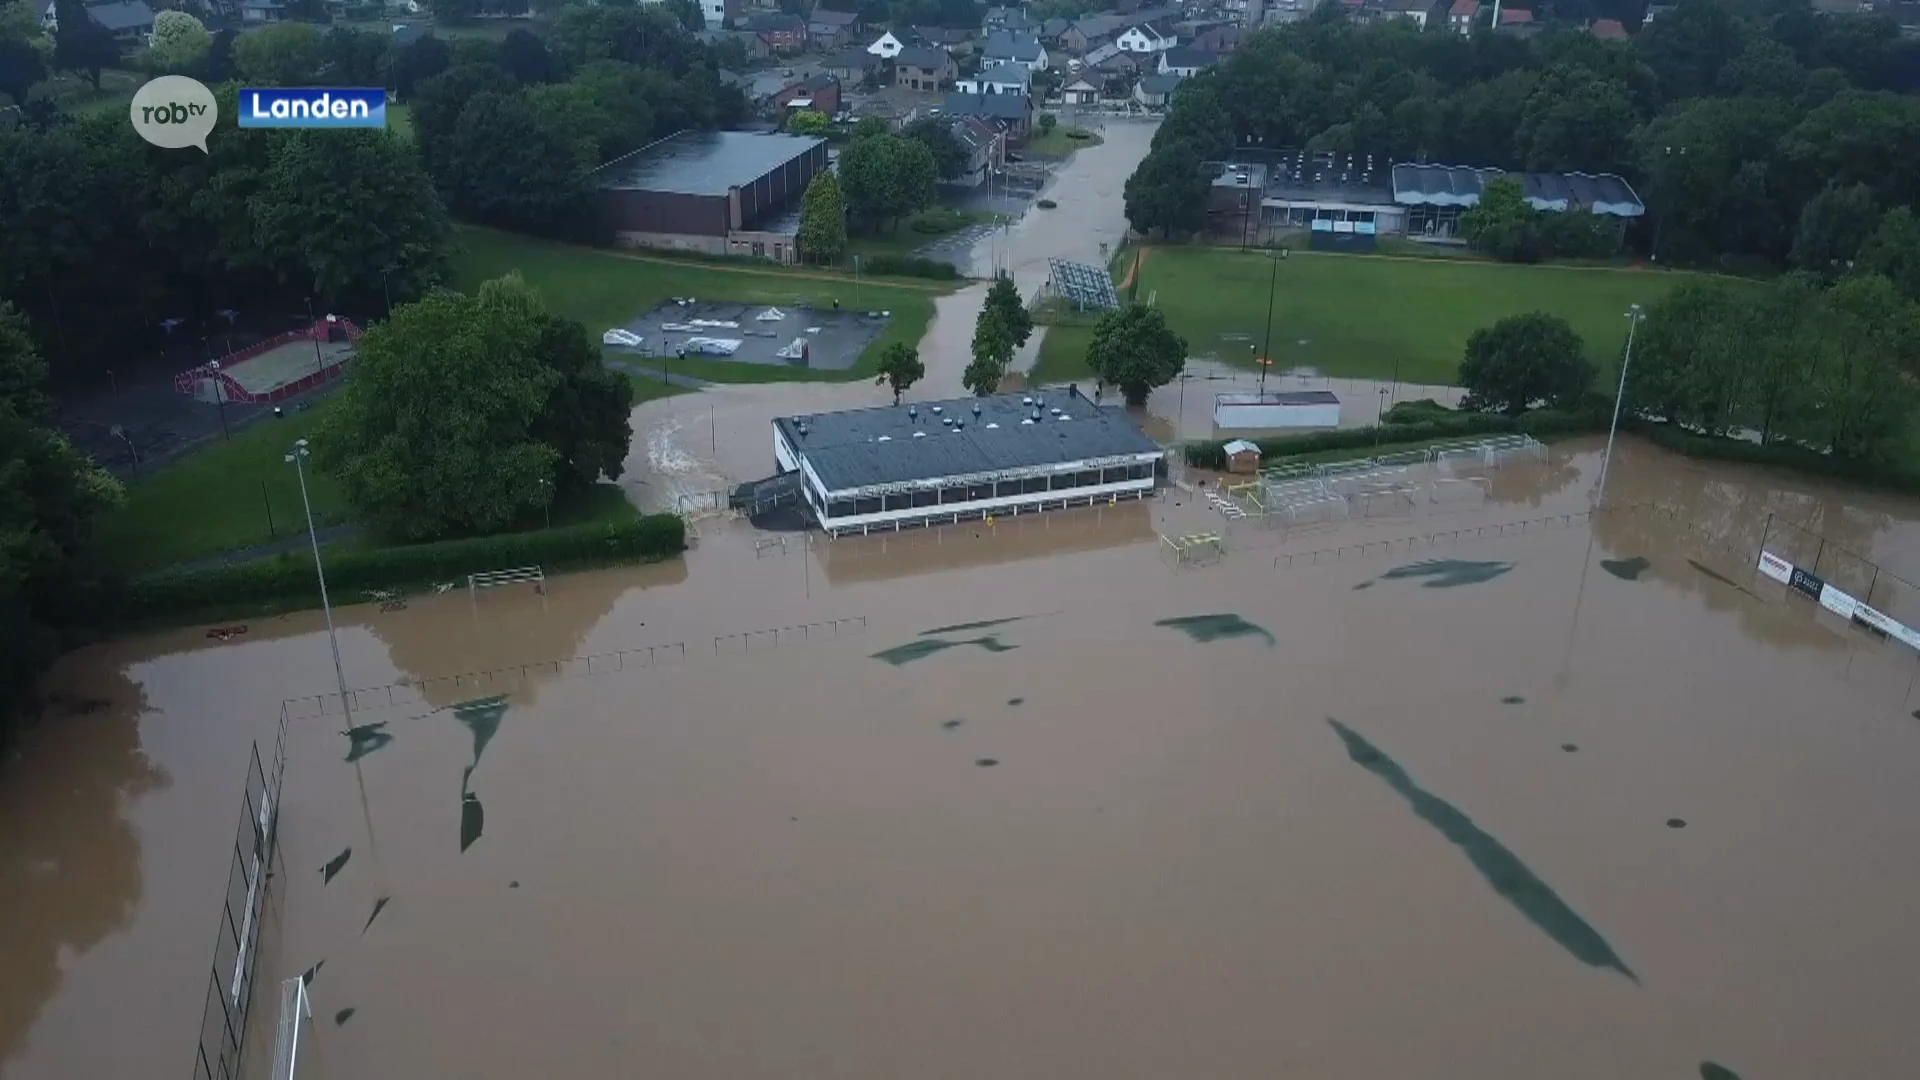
[
  {"x": 703, "y": 162},
  {"x": 866, "y": 447}
]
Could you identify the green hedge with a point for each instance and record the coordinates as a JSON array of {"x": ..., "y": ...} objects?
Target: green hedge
[
  {"x": 1775, "y": 455},
  {"x": 290, "y": 576},
  {"x": 909, "y": 266},
  {"x": 1454, "y": 425}
]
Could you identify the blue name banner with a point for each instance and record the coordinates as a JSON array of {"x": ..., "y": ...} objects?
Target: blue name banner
[{"x": 313, "y": 107}]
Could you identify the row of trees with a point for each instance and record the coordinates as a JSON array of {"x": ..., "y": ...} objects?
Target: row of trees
[
  {"x": 1730, "y": 120},
  {"x": 1003, "y": 326},
  {"x": 50, "y": 497}
]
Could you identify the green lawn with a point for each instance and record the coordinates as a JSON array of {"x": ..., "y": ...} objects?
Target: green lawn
[
  {"x": 220, "y": 498},
  {"x": 400, "y": 120},
  {"x": 913, "y": 233},
  {"x": 603, "y": 289},
  {"x": 1061, "y": 141},
  {"x": 1362, "y": 316}
]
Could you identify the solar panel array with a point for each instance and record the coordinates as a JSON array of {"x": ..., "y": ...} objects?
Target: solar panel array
[{"x": 1084, "y": 285}]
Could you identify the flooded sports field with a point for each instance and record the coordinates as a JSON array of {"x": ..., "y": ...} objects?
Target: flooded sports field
[{"x": 1558, "y": 794}]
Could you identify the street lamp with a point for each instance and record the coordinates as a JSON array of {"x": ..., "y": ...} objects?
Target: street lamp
[
  {"x": 296, "y": 457},
  {"x": 546, "y": 500},
  {"x": 1266, "y": 349},
  {"x": 1634, "y": 317}
]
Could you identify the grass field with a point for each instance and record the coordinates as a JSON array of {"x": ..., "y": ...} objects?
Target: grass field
[
  {"x": 220, "y": 499},
  {"x": 1061, "y": 141},
  {"x": 603, "y": 289},
  {"x": 1363, "y": 316}
]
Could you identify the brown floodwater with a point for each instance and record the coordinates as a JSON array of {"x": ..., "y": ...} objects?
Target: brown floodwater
[{"x": 1584, "y": 801}]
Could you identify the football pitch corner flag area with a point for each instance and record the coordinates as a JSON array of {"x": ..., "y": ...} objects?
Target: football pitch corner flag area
[{"x": 175, "y": 112}]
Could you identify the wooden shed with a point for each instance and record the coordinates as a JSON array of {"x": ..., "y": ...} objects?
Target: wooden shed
[{"x": 1242, "y": 457}]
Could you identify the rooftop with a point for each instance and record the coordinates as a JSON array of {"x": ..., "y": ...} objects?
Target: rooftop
[
  {"x": 1322, "y": 176},
  {"x": 896, "y": 444},
  {"x": 922, "y": 56},
  {"x": 703, "y": 162},
  {"x": 121, "y": 16},
  {"x": 996, "y": 106},
  {"x": 1458, "y": 185}
]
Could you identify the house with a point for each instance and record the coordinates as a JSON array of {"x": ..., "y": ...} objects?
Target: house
[
  {"x": 127, "y": 22},
  {"x": 1185, "y": 61},
  {"x": 1515, "y": 17},
  {"x": 1080, "y": 91},
  {"x": 1154, "y": 91},
  {"x": 756, "y": 46},
  {"x": 1009, "y": 18},
  {"x": 1413, "y": 11},
  {"x": 998, "y": 79},
  {"x": 262, "y": 11},
  {"x": 1222, "y": 40},
  {"x": 1143, "y": 39},
  {"x": 887, "y": 45},
  {"x": 1118, "y": 66},
  {"x": 1005, "y": 48},
  {"x": 852, "y": 65},
  {"x": 1608, "y": 30},
  {"x": 784, "y": 33},
  {"x": 1100, "y": 54},
  {"x": 1462, "y": 15},
  {"x": 986, "y": 145},
  {"x": 819, "y": 92},
  {"x": 832, "y": 29},
  {"x": 1013, "y": 112},
  {"x": 1051, "y": 30},
  {"x": 718, "y": 13},
  {"x": 1091, "y": 31},
  {"x": 923, "y": 67},
  {"x": 957, "y": 42}
]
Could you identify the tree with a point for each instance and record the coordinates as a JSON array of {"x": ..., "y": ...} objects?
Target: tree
[
  {"x": 1834, "y": 225},
  {"x": 418, "y": 60},
  {"x": 434, "y": 434},
  {"x": 20, "y": 67},
  {"x": 308, "y": 11},
  {"x": 822, "y": 236},
  {"x": 284, "y": 54},
  {"x": 1893, "y": 251},
  {"x": 900, "y": 368},
  {"x": 688, "y": 13},
  {"x": 950, "y": 158},
  {"x": 50, "y": 498},
  {"x": 1133, "y": 349},
  {"x": 808, "y": 122},
  {"x": 585, "y": 419},
  {"x": 351, "y": 216},
  {"x": 1167, "y": 193},
  {"x": 885, "y": 178},
  {"x": 179, "y": 43},
  {"x": 1522, "y": 360},
  {"x": 503, "y": 165},
  {"x": 992, "y": 352},
  {"x": 1048, "y": 122},
  {"x": 80, "y": 44},
  {"x": 1502, "y": 223},
  {"x": 351, "y": 57},
  {"x": 524, "y": 56},
  {"x": 1003, "y": 300}
]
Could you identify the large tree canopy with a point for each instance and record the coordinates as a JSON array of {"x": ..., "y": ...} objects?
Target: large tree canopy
[
  {"x": 1134, "y": 350},
  {"x": 1522, "y": 361}
]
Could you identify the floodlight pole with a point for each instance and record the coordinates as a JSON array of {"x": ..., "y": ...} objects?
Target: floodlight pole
[
  {"x": 297, "y": 456},
  {"x": 319, "y": 361},
  {"x": 1634, "y": 315},
  {"x": 1273, "y": 280}
]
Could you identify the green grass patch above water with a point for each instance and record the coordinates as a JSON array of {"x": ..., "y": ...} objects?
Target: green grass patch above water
[
  {"x": 1061, "y": 141},
  {"x": 1357, "y": 316}
]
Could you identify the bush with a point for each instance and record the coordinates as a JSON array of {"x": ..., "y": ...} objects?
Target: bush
[
  {"x": 1776, "y": 455},
  {"x": 940, "y": 220},
  {"x": 290, "y": 576},
  {"x": 1046, "y": 204},
  {"x": 910, "y": 266},
  {"x": 1454, "y": 425},
  {"x": 1417, "y": 412}
]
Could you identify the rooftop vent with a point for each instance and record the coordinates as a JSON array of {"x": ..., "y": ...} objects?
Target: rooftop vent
[
  {"x": 802, "y": 427},
  {"x": 1036, "y": 414},
  {"x": 1026, "y": 401},
  {"x": 936, "y": 410},
  {"x": 976, "y": 408},
  {"x": 1054, "y": 412},
  {"x": 959, "y": 425},
  {"x": 919, "y": 434},
  {"x": 947, "y": 420},
  {"x": 884, "y": 438},
  {"x": 913, "y": 410},
  {"x": 1026, "y": 421},
  {"x": 992, "y": 426}
]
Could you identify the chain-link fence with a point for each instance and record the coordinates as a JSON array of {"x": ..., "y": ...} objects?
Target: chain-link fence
[
  {"x": 1849, "y": 571},
  {"x": 223, "y": 1023}
]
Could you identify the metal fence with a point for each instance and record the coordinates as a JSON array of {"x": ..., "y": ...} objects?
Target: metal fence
[
  {"x": 1849, "y": 571},
  {"x": 1433, "y": 539},
  {"x": 499, "y": 680},
  {"x": 223, "y": 1023},
  {"x": 789, "y": 635}
]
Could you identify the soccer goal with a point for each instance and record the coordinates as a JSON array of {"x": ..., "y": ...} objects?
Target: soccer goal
[
  {"x": 294, "y": 1030},
  {"x": 488, "y": 579},
  {"x": 1195, "y": 549},
  {"x": 1458, "y": 491}
]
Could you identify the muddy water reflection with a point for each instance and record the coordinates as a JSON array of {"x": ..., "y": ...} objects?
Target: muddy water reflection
[{"x": 789, "y": 861}]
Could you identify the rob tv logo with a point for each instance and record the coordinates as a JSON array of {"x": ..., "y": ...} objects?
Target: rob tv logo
[{"x": 313, "y": 107}]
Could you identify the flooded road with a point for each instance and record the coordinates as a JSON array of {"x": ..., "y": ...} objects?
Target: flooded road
[{"x": 1584, "y": 801}]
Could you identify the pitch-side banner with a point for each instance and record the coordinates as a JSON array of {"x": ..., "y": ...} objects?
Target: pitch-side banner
[{"x": 1838, "y": 602}]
